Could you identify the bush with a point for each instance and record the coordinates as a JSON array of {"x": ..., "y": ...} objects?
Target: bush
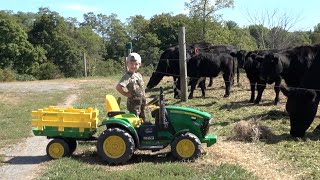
[
  {"x": 25, "y": 77},
  {"x": 108, "y": 68},
  {"x": 48, "y": 71},
  {"x": 146, "y": 70},
  {"x": 7, "y": 75}
]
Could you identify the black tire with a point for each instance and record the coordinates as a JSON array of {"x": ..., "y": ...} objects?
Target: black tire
[
  {"x": 72, "y": 146},
  {"x": 186, "y": 147},
  {"x": 57, "y": 148},
  {"x": 115, "y": 146}
]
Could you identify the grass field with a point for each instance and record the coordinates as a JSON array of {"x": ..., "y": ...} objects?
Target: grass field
[{"x": 299, "y": 158}]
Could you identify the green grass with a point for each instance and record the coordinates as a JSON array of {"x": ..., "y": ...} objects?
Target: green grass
[
  {"x": 301, "y": 154},
  {"x": 15, "y": 118},
  {"x": 76, "y": 169}
]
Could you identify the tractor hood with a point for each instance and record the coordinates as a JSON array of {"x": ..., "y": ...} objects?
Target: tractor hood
[{"x": 188, "y": 111}]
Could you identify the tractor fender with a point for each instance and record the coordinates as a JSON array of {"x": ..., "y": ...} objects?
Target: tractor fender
[
  {"x": 125, "y": 126},
  {"x": 183, "y": 131}
]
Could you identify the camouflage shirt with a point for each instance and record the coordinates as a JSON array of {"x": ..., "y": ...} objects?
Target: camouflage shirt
[{"x": 134, "y": 83}]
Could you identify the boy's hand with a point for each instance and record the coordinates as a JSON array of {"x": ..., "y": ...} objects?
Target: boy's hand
[{"x": 129, "y": 95}]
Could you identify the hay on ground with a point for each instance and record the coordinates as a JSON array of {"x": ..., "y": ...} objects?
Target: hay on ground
[{"x": 250, "y": 131}]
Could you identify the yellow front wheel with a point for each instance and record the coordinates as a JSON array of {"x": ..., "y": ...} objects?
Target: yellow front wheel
[
  {"x": 57, "y": 148},
  {"x": 186, "y": 147},
  {"x": 115, "y": 146}
]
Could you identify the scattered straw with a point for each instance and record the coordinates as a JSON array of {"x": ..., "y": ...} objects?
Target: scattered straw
[{"x": 250, "y": 131}]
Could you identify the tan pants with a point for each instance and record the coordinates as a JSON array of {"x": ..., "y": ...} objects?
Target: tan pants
[{"x": 137, "y": 106}]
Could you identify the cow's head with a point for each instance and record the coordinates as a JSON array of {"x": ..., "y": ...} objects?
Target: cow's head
[
  {"x": 240, "y": 55},
  {"x": 302, "y": 107},
  {"x": 271, "y": 66},
  {"x": 168, "y": 65}
]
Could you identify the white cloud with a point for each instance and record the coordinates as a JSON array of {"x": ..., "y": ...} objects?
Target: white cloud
[{"x": 79, "y": 7}]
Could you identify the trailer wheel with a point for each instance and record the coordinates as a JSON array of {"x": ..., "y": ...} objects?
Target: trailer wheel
[
  {"x": 72, "y": 146},
  {"x": 57, "y": 148},
  {"x": 115, "y": 146},
  {"x": 186, "y": 147}
]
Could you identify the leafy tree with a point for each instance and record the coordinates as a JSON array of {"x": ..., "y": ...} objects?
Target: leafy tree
[
  {"x": 299, "y": 38},
  {"x": 91, "y": 44},
  {"x": 149, "y": 49},
  {"x": 117, "y": 38},
  {"x": 204, "y": 11},
  {"x": 137, "y": 28},
  {"x": 52, "y": 33},
  {"x": 15, "y": 50},
  {"x": 315, "y": 36},
  {"x": 260, "y": 34},
  {"x": 231, "y": 25},
  {"x": 166, "y": 28}
]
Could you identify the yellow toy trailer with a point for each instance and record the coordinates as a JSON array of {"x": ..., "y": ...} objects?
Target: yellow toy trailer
[{"x": 65, "y": 126}]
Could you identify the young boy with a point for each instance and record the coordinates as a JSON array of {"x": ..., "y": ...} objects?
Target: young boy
[{"x": 132, "y": 80}]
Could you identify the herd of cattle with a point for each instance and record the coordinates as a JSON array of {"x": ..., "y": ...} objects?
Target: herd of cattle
[{"x": 299, "y": 67}]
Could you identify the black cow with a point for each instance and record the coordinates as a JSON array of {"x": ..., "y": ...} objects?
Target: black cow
[
  {"x": 302, "y": 106},
  {"x": 210, "y": 65},
  {"x": 252, "y": 68},
  {"x": 229, "y": 49},
  {"x": 300, "y": 68},
  {"x": 168, "y": 64}
]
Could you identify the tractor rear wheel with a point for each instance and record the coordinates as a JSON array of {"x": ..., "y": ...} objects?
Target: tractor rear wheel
[
  {"x": 115, "y": 146},
  {"x": 186, "y": 146},
  {"x": 57, "y": 148}
]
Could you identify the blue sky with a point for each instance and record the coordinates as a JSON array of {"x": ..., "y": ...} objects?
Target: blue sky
[{"x": 306, "y": 13}]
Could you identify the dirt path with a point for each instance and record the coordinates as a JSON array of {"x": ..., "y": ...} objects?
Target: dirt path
[{"x": 23, "y": 160}]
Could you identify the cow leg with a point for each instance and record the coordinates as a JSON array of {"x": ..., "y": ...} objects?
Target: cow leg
[
  {"x": 176, "y": 89},
  {"x": 238, "y": 75},
  {"x": 298, "y": 127},
  {"x": 227, "y": 81},
  {"x": 253, "y": 90},
  {"x": 260, "y": 88},
  {"x": 210, "y": 82},
  {"x": 193, "y": 83},
  {"x": 277, "y": 91},
  {"x": 203, "y": 88}
]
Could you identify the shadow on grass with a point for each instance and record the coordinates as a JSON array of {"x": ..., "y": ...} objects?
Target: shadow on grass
[
  {"x": 268, "y": 115},
  {"x": 27, "y": 160},
  {"x": 147, "y": 157},
  {"x": 166, "y": 89},
  {"x": 274, "y": 139}
]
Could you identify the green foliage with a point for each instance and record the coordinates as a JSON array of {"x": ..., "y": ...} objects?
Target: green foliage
[
  {"x": 7, "y": 75},
  {"x": 165, "y": 27},
  {"x": 108, "y": 68},
  {"x": 234, "y": 36},
  {"x": 28, "y": 39},
  {"x": 16, "y": 51},
  {"x": 204, "y": 12},
  {"x": 51, "y": 32},
  {"x": 25, "y": 77},
  {"x": 48, "y": 71}
]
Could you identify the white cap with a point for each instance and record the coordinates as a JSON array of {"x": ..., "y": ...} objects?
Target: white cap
[{"x": 134, "y": 56}]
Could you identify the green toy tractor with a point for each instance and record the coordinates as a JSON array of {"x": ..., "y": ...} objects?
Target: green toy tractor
[{"x": 184, "y": 129}]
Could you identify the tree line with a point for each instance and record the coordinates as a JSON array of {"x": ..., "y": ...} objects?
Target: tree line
[{"x": 45, "y": 45}]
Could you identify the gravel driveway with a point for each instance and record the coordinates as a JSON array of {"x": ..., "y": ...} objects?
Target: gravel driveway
[{"x": 23, "y": 160}]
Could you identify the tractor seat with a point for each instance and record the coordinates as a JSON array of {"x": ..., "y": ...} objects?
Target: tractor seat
[{"x": 113, "y": 110}]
